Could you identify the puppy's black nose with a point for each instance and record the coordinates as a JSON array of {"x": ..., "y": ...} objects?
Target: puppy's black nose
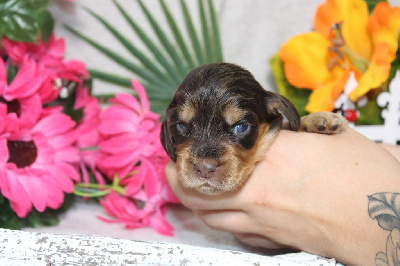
[{"x": 205, "y": 168}]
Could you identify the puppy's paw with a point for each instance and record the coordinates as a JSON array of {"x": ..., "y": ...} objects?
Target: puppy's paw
[{"x": 323, "y": 123}]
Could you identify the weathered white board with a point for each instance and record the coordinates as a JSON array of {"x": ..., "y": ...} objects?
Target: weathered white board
[{"x": 26, "y": 248}]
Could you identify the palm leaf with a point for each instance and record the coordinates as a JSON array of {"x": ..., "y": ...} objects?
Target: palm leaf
[
  {"x": 192, "y": 33},
  {"x": 166, "y": 58},
  {"x": 171, "y": 51},
  {"x": 157, "y": 53},
  {"x": 217, "y": 45},
  {"x": 147, "y": 63},
  {"x": 118, "y": 58},
  {"x": 178, "y": 35},
  {"x": 206, "y": 35}
]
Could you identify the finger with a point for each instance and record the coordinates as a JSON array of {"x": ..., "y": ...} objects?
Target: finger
[
  {"x": 232, "y": 221},
  {"x": 258, "y": 241},
  {"x": 172, "y": 177}
]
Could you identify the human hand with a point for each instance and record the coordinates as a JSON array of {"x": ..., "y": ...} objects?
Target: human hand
[{"x": 309, "y": 193}]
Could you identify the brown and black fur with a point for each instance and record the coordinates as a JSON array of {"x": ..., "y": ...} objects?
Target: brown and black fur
[{"x": 221, "y": 122}]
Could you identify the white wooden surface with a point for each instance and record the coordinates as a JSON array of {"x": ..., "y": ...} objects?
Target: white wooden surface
[{"x": 27, "y": 248}]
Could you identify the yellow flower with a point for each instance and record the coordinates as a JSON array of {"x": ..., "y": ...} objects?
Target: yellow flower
[{"x": 346, "y": 39}]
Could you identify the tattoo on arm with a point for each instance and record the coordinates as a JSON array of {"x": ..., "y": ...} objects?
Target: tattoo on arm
[{"x": 385, "y": 208}]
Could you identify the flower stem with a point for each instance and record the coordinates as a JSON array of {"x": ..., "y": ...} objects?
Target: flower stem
[
  {"x": 91, "y": 194},
  {"x": 91, "y": 190},
  {"x": 358, "y": 61},
  {"x": 92, "y": 148}
]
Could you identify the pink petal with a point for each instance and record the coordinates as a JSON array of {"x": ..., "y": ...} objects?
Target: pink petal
[
  {"x": 69, "y": 170},
  {"x": 34, "y": 189},
  {"x": 150, "y": 184},
  {"x": 54, "y": 124},
  {"x": 120, "y": 113},
  {"x": 128, "y": 100},
  {"x": 161, "y": 225},
  {"x": 25, "y": 83},
  {"x": 4, "y": 184},
  {"x": 68, "y": 154},
  {"x": 18, "y": 197},
  {"x": 116, "y": 127},
  {"x": 120, "y": 143},
  {"x": 78, "y": 67},
  {"x": 120, "y": 160},
  {"x": 58, "y": 179},
  {"x": 3, "y": 73},
  {"x": 4, "y": 154},
  {"x": 31, "y": 109},
  {"x": 134, "y": 184},
  {"x": 142, "y": 95}
]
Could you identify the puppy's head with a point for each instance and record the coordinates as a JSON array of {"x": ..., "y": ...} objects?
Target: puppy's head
[{"x": 219, "y": 124}]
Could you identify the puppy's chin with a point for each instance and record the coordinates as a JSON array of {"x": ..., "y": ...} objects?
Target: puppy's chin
[
  {"x": 211, "y": 187},
  {"x": 209, "y": 190}
]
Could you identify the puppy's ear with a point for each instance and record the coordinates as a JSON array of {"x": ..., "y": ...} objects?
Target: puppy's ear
[
  {"x": 166, "y": 139},
  {"x": 278, "y": 105}
]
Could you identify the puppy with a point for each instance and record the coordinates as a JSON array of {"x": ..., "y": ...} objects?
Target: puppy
[{"x": 221, "y": 122}]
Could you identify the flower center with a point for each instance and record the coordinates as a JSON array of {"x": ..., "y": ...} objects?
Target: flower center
[
  {"x": 341, "y": 51},
  {"x": 22, "y": 153},
  {"x": 12, "y": 106}
]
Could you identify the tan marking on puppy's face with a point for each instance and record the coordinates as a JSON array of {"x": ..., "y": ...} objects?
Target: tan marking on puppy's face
[
  {"x": 187, "y": 111},
  {"x": 233, "y": 114}
]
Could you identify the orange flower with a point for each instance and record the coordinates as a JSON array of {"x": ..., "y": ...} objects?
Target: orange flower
[{"x": 346, "y": 39}]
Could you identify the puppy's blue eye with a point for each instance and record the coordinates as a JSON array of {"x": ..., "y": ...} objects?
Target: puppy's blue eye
[
  {"x": 241, "y": 128},
  {"x": 181, "y": 126}
]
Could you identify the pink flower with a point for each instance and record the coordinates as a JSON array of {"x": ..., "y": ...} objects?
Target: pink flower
[
  {"x": 88, "y": 135},
  {"x": 23, "y": 106},
  {"x": 37, "y": 164},
  {"x": 125, "y": 211},
  {"x": 131, "y": 149},
  {"x": 150, "y": 176},
  {"x": 129, "y": 131},
  {"x": 149, "y": 188},
  {"x": 49, "y": 57}
]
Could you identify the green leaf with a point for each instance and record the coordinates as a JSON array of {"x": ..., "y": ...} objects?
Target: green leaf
[
  {"x": 111, "y": 78},
  {"x": 159, "y": 56},
  {"x": 22, "y": 20},
  {"x": 395, "y": 65},
  {"x": 299, "y": 97},
  {"x": 178, "y": 35},
  {"x": 385, "y": 208},
  {"x": 9, "y": 219},
  {"x": 168, "y": 46},
  {"x": 45, "y": 24},
  {"x": 147, "y": 63},
  {"x": 208, "y": 51},
  {"x": 218, "y": 55},
  {"x": 120, "y": 59},
  {"x": 12, "y": 71},
  {"x": 192, "y": 33},
  {"x": 370, "y": 114}
]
